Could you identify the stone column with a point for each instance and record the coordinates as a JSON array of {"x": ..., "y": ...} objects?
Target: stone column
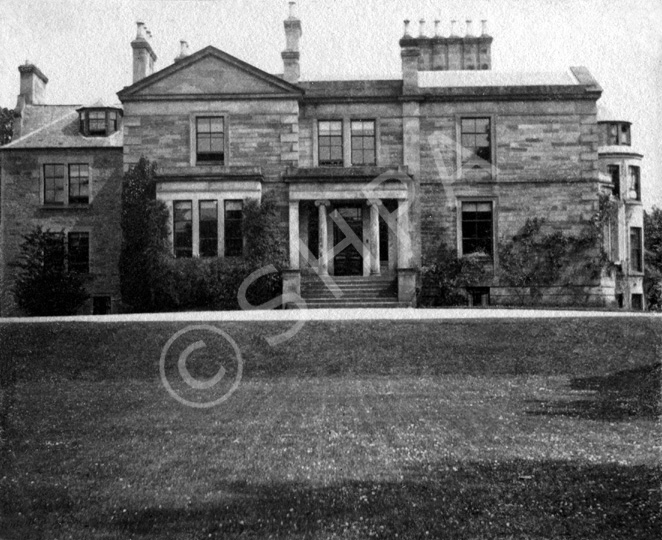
[
  {"x": 322, "y": 244},
  {"x": 374, "y": 237},
  {"x": 294, "y": 235},
  {"x": 404, "y": 238}
]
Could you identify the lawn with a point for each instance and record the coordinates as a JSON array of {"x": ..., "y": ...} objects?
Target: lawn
[{"x": 440, "y": 429}]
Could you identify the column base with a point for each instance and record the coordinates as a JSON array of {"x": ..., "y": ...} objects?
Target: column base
[
  {"x": 407, "y": 286},
  {"x": 291, "y": 285}
]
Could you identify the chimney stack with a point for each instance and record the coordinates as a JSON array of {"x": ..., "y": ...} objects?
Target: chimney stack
[
  {"x": 438, "y": 53},
  {"x": 183, "y": 50},
  {"x": 143, "y": 54},
  {"x": 290, "y": 55},
  {"x": 33, "y": 85}
]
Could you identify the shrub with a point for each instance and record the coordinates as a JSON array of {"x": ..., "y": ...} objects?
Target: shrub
[
  {"x": 145, "y": 249},
  {"x": 44, "y": 285},
  {"x": 444, "y": 280}
]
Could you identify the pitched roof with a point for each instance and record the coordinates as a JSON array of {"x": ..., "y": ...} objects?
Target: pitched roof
[
  {"x": 209, "y": 52},
  {"x": 57, "y": 126}
]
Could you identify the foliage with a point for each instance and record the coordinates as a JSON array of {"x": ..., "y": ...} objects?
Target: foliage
[
  {"x": 213, "y": 283},
  {"x": 653, "y": 258},
  {"x": 145, "y": 250},
  {"x": 153, "y": 280},
  {"x": 535, "y": 258},
  {"x": 6, "y": 125},
  {"x": 444, "y": 280},
  {"x": 44, "y": 285}
]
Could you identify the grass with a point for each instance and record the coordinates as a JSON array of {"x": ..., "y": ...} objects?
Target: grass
[{"x": 473, "y": 429}]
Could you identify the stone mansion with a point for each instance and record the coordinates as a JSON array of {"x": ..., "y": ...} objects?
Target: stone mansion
[{"x": 371, "y": 176}]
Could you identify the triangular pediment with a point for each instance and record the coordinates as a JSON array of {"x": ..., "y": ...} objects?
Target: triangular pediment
[{"x": 209, "y": 72}]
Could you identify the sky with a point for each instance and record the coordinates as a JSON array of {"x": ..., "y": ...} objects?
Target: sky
[{"x": 83, "y": 46}]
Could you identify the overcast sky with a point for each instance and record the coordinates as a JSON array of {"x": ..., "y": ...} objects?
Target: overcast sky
[{"x": 83, "y": 45}]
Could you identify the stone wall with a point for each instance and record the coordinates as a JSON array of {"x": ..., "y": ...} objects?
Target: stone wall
[{"x": 22, "y": 186}]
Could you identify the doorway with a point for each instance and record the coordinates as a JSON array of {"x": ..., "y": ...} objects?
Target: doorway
[{"x": 349, "y": 261}]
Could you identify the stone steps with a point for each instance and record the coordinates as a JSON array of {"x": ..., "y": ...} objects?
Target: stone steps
[{"x": 350, "y": 292}]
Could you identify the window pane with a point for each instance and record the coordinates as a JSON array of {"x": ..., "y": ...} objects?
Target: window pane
[
  {"x": 54, "y": 184},
  {"x": 468, "y": 125},
  {"x": 208, "y": 228},
  {"x": 477, "y": 227},
  {"x": 79, "y": 252},
  {"x": 234, "y": 239},
  {"x": 183, "y": 237}
]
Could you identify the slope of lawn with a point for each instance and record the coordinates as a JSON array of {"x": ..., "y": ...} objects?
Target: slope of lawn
[{"x": 439, "y": 429}]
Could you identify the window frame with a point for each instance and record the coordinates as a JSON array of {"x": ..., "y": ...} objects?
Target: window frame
[
  {"x": 83, "y": 200},
  {"x": 480, "y": 173},
  {"x": 637, "y": 250},
  {"x": 634, "y": 184},
  {"x": 48, "y": 161},
  {"x": 227, "y": 251},
  {"x": 202, "y": 238},
  {"x": 373, "y": 137},
  {"x": 613, "y": 168},
  {"x": 461, "y": 250},
  {"x": 175, "y": 247},
  {"x": 193, "y": 138},
  {"x": 330, "y": 162},
  {"x": 64, "y": 189},
  {"x": 71, "y": 266}
]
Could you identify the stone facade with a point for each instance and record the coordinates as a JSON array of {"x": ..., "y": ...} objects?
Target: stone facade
[{"x": 401, "y": 162}]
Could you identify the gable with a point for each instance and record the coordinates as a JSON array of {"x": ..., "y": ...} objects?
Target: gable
[{"x": 209, "y": 72}]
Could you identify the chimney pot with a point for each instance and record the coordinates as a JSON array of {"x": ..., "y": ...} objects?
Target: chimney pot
[
  {"x": 484, "y": 27},
  {"x": 140, "y": 34},
  {"x": 406, "y": 27},
  {"x": 292, "y": 10},
  {"x": 143, "y": 54},
  {"x": 436, "y": 27},
  {"x": 469, "y": 32},
  {"x": 421, "y": 28},
  {"x": 183, "y": 50},
  {"x": 453, "y": 23}
]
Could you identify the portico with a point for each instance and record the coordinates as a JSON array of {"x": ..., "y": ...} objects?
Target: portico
[{"x": 349, "y": 226}]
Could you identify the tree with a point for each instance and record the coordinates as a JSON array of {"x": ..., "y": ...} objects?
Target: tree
[
  {"x": 144, "y": 223},
  {"x": 6, "y": 125},
  {"x": 653, "y": 258},
  {"x": 44, "y": 285}
]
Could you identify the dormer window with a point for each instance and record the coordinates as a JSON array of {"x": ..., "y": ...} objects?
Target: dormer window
[{"x": 98, "y": 122}]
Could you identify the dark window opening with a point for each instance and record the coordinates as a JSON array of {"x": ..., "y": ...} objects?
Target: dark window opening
[
  {"x": 475, "y": 138},
  {"x": 477, "y": 228},
  {"x": 635, "y": 182},
  {"x": 620, "y": 300},
  {"x": 79, "y": 252},
  {"x": 329, "y": 143},
  {"x": 101, "y": 305},
  {"x": 478, "y": 296},
  {"x": 363, "y": 142},
  {"x": 637, "y": 302},
  {"x": 183, "y": 229},
  {"x": 208, "y": 228},
  {"x": 210, "y": 139},
  {"x": 79, "y": 184},
  {"x": 54, "y": 184},
  {"x": 636, "y": 249},
  {"x": 615, "y": 174},
  {"x": 234, "y": 236}
]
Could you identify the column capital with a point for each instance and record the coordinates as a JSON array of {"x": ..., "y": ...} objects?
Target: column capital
[
  {"x": 374, "y": 202},
  {"x": 323, "y": 202}
]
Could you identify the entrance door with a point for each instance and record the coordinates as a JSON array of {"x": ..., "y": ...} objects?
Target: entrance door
[{"x": 348, "y": 262}]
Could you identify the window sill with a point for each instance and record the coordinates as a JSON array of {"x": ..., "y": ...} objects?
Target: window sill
[{"x": 75, "y": 207}]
